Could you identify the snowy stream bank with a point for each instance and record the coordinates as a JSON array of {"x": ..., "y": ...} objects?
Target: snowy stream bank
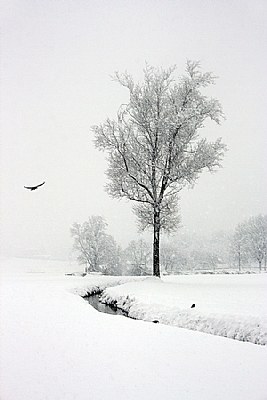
[{"x": 142, "y": 301}]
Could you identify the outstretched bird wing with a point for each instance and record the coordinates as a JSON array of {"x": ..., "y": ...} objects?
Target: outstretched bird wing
[{"x": 41, "y": 184}]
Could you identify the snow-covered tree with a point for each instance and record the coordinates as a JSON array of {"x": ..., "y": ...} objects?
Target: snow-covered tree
[
  {"x": 219, "y": 245},
  {"x": 112, "y": 264},
  {"x": 154, "y": 144},
  {"x": 96, "y": 249},
  {"x": 250, "y": 241},
  {"x": 168, "y": 257},
  {"x": 137, "y": 256},
  {"x": 192, "y": 251},
  {"x": 173, "y": 256},
  {"x": 239, "y": 244},
  {"x": 257, "y": 238}
]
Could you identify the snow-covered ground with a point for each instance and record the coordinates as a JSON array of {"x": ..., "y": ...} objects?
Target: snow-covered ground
[
  {"x": 233, "y": 306},
  {"x": 54, "y": 346}
]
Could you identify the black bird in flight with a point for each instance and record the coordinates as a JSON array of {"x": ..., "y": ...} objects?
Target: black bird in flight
[{"x": 34, "y": 187}]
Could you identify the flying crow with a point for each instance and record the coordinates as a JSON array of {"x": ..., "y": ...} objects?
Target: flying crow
[{"x": 34, "y": 187}]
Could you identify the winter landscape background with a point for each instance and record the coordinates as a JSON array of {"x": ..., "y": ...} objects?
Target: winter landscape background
[
  {"x": 57, "y": 62},
  {"x": 198, "y": 332}
]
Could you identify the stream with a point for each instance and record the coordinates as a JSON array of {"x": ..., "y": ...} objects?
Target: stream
[{"x": 95, "y": 302}]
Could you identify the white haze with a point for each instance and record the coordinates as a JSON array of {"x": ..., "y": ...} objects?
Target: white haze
[{"x": 57, "y": 58}]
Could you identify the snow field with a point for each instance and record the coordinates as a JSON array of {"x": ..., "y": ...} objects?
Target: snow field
[{"x": 54, "y": 346}]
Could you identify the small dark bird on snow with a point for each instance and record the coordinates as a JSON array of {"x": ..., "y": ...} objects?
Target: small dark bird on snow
[
  {"x": 193, "y": 306},
  {"x": 34, "y": 187}
]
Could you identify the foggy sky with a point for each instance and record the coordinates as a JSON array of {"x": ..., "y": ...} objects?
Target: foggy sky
[{"x": 57, "y": 58}]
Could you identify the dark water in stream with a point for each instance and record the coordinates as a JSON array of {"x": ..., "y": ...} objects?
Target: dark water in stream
[{"x": 96, "y": 303}]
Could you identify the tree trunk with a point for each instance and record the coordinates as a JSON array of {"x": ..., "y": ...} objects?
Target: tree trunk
[
  {"x": 260, "y": 265},
  {"x": 156, "y": 269},
  {"x": 239, "y": 261}
]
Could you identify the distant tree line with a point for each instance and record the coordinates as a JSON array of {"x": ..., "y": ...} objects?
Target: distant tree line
[
  {"x": 249, "y": 241},
  {"x": 99, "y": 252}
]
